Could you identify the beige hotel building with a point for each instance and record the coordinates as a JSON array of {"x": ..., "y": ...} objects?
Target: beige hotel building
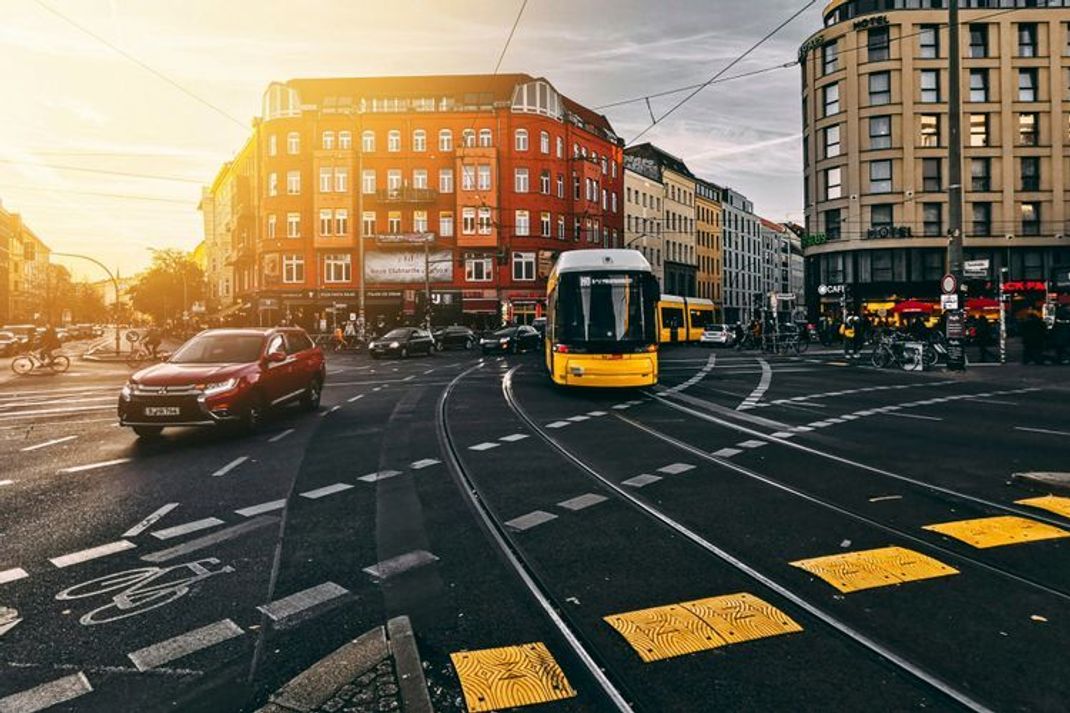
[{"x": 874, "y": 94}]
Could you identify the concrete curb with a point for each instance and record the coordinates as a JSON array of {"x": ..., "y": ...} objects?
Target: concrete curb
[
  {"x": 1047, "y": 483},
  {"x": 315, "y": 686}
]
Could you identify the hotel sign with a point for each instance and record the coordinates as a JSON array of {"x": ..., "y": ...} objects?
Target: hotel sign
[
  {"x": 889, "y": 231},
  {"x": 812, "y": 44},
  {"x": 869, "y": 22}
]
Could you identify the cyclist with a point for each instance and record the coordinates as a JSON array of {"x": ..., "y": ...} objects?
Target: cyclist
[
  {"x": 339, "y": 339},
  {"x": 152, "y": 340},
  {"x": 48, "y": 343}
]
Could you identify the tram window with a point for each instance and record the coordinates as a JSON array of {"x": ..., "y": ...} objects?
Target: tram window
[
  {"x": 701, "y": 318},
  {"x": 672, "y": 317},
  {"x": 603, "y": 308}
]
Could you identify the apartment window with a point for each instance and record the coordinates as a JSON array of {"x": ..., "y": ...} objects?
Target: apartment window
[
  {"x": 445, "y": 224},
  {"x": 393, "y": 141},
  {"x": 345, "y": 140},
  {"x": 367, "y": 141},
  {"x": 273, "y": 145},
  {"x": 445, "y": 140},
  {"x": 485, "y": 226},
  {"x": 523, "y": 223},
  {"x": 486, "y": 138},
  {"x": 878, "y": 44},
  {"x": 929, "y": 41},
  {"x": 830, "y": 56},
  {"x": 328, "y": 140},
  {"x": 1027, "y": 85},
  {"x": 393, "y": 222},
  {"x": 880, "y": 176},
  {"x": 273, "y": 184},
  {"x": 560, "y": 142},
  {"x": 293, "y": 268},
  {"x": 560, "y": 186},
  {"x": 293, "y": 143},
  {"x": 1030, "y": 219},
  {"x": 545, "y": 224},
  {"x": 478, "y": 269},
  {"x": 982, "y": 219},
  {"x": 419, "y": 221},
  {"x": 367, "y": 181},
  {"x": 445, "y": 180},
  {"x": 1027, "y": 39},
  {"x": 1028, "y": 134},
  {"x": 833, "y": 224},
  {"x": 520, "y": 180},
  {"x": 325, "y": 222},
  {"x": 880, "y": 88},
  {"x": 978, "y": 129},
  {"x": 978, "y": 85},
  {"x": 523, "y": 266},
  {"x": 880, "y": 132},
  {"x": 293, "y": 225},
  {"x": 419, "y": 178},
  {"x": 341, "y": 222},
  {"x": 560, "y": 227},
  {"x": 271, "y": 226},
  {"x": 929, "y": 130},
  {"x": 575, "y": 186},
  {"x": 468, "y": 178},
  {"x": 325, "y": 180},
  {"x": 1030, "y": 169},
  {"x": 544, "y": 142},
  {"x": 833, "y": 183},
  {"x": 933, "y": 219},
  {"x": 978, "y": 41},
  {"x": 393, "y": 179},
  {"x": 293, "y": 183},
  {"x": 521, "y": 140},
  {"x": 832, "y": 99},
  {"x": 981, "y": 174},
  {"x": 930, "y": 86},
  {"x": 468, "y": 138},
  {"x": 337, "y": 268},
  {"x": 419, "y": 140},
  {"x": 367, "y": 223},
  {"x": 880, "y": 216},
  {"x": 468, "y": 221},
  {"x": 483, "y": 177},
  {"x": 932, "y": 180}
]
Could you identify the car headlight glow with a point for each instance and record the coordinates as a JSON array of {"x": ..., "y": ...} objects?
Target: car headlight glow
[
  {"x": 219, "y": 387},
  {"x": 503, "y": 340},
  {"x": 127, "y": 391},
  {"x": 394, "y": 345}
]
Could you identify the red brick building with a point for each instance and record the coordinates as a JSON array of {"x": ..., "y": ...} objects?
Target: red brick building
[{"x": 479, "y": 180}]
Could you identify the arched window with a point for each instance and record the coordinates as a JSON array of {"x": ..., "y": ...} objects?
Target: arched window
[
  {"x": 521, "y": 143},
  {"x": 485, "y": 138},
  {"x": 367, "y": 141},
  {"x": 468, "y": 137},
  {"x": 393, "y": 141},
  {"x": 445, "y": 140},
  {"x": 419, "y": 140}
]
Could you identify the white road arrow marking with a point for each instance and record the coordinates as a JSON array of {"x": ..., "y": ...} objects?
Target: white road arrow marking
[
  {"x": 150, "y": 520},
  {"x": 9, "y": 619}
]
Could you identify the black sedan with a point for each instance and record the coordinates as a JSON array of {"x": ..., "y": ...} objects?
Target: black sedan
[
  {"x": 455, "y": 338},
  {"x": 402, "y": 342},
  {"x": 511, "y": 340}
]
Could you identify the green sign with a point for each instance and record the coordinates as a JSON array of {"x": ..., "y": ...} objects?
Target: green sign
[{"x": 814, "y": 239}]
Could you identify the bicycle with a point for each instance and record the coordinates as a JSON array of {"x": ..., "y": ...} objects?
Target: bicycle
[
  {"x": 141, "y": 354},
  {"x": 28, "y": 363}
]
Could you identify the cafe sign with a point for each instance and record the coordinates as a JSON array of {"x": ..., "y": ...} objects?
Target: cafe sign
[{"x": 395, "y": 267}]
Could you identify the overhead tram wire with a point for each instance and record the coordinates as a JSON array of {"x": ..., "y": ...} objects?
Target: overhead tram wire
[
  {"x": 143, "y": 65},
  {"x": 123, "y": 196},
  {"x": 103, "y": 171}
]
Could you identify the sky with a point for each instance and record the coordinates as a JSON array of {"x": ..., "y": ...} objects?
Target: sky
[{"x": 70, "y": 100}]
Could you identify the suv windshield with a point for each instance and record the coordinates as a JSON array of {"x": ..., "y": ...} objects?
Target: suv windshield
[{"x": 220, "y": 349}]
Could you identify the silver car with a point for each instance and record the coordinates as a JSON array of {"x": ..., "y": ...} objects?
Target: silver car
[{"x": 717, "y": 335}]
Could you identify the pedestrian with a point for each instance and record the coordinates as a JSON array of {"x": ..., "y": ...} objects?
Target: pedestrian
[
  {"x": 152, "y": 340},
  {"x": 1060, "y": 333},
  {"x": 1033, "y": 332},
  {"x": 983, "y": 335}
]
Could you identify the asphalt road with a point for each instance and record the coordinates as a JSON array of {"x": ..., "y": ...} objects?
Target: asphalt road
[{"x": 496, "y": 510}]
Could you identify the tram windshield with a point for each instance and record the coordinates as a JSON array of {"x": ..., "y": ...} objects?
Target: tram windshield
[{"x": 606, "y": 308}]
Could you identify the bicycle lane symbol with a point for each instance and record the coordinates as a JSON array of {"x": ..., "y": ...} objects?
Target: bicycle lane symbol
[{"x": 137, "y": 591}]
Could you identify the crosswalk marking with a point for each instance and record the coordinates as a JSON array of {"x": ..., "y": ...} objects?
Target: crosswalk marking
[
  {"x": 867, "y": 569},
  {"x": 183, "y": 645}
]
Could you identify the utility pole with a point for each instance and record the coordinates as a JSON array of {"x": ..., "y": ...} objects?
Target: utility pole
[{"x": 955, "y": 318}]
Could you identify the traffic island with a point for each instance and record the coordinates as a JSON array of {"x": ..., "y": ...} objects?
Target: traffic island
[
  {"x": 378, "y": 671},
  {"x": 1043, "y": 482}
]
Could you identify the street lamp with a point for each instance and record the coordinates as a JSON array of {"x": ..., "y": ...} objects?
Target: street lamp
[{"x": 114, "y": 282}]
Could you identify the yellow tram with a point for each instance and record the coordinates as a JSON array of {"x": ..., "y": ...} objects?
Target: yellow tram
[
  {"x": 683, "y": 319},
  {"x": 601, "y": 327}
]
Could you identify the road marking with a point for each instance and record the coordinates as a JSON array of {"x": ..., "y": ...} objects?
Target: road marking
[
  {"x": 47, "y": 694},
  {"x": 983, "y": 400},
  {"x": 618, "y": 407},
  {"x": 641, "y": 481},
  {"x": 208, "y": 540},
  {"x": 752, "y": 444},
  {"x": 279, "y": 436},
  {"x": 11, "y": 575},
  {"x": 287, "y": 607},
  {"x": 884, "y": 498},
  {"x": 150, "y": 520},
  {"x": 46, "y": 444},
  {"x": 802, "y": 429},
  {"x": 92, "y": 553},
  {"x": 596, "y": 414},
  {"x": 1042, "y": 430},
  {"x": 53, "y": 411},
  {"x": 867, "y": 569},
  {"x": 7, "y": 482},
  {"x": 577, "y": 419},
  {"x": 998, "y": 531},
  {"x": 676, "y": 468},
  {"x": 486, "y": 446},
  {"x": 394, "y": 566},
  {"x": 262, "y": 508},
  {"x": 331, "y": 410},
  {"x": 532, "y": 519},
  {"x": 1051, "y": 503},
  {"x": 94, "y": 466},
  {"x": 688, "y": 627},
  {"x": 409, "y": 378},
  {"x": 513, "y": 438},
  {"x": 510, "y": 677},
  {"x": 230, "y": 466},
  {"x": 9, "y": 619},
  {"x": 428, "y": 372},
  {"x": 184, "y": 644},
  {"x": 325, "y": 491},
  {"x": 916, "y": 416},
  {"x": 562, "y": 424},
  {"x": 763, "y": 385},
  {"x": 727, "y": 452},
  {"x": 424, "y": 463},
  {"x": 377, "y": 476},
  {"x": 184, "y": 529},
  {"x": 358, "y": 397},
  {"x": 581, "y": 502},
  {"x": 783, "y": 434}
]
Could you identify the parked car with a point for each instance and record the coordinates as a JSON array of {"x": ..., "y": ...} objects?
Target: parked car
[
  {"x": 511, "y": 340},
  {"x": 25, "y": 333},
  {"x": 539, "y": 323},
  {"x": 9, "y": 344},
  {"x": 454, "y": 338},
  {"x": 717, "y": 335},
  {"x": 225, "y": 376},
  {"x": 402, "y": 342}
]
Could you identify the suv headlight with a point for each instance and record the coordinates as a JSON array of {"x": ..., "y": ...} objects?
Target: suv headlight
[
  {"x": 127, "y": 391},
  {"x": 394, "y": 345},
  {"x": 219, "y": 387}
]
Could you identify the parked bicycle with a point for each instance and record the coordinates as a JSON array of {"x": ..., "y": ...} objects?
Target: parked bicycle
[{"x": 31, "y": 362}]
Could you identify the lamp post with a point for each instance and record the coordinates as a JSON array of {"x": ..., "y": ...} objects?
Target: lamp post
[{"x": 114, "y": 282}]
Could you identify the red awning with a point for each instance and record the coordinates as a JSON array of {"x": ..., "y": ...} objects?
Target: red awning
[
  {"x": 914, "y": 307},
  {"x": 981, "y": 303}
]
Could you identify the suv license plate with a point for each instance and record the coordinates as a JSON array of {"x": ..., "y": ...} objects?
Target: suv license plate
[{"x": 162, "y": 410}]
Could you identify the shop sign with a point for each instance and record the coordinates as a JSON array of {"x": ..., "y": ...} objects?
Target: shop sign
[
  {"x": 869, "y": 22},
  {"x": 956, "y": 333},
  {"x": 831, "y": 290},
  {"x": 813, "y": 239},
  {"x": 268, "y": 303},
  {"x": 1026, "y": 286},
  {"x": 889, "y": 231},
  {"x": 948, "y": 302},
  {"x": 975, "y": 269},
  {"x": 810, "y": 45},
  {"x": 407, "y": 267},
  {"x": 1060, "y": 278},
  {"x": 405, "y": 239},
  {"x": 384, "y": 294}
]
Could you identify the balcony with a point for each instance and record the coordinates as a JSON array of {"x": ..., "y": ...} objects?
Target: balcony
[{"x": 406, "y": 195}]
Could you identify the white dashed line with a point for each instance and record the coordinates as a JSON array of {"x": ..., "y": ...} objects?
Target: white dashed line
[
  {"x": 94, "y": 466},
  {"x": 358, "y": 397},
  {"x": 578, "y": 419},
  {"x": 46, "y": 444},
  {"x": 279, "y": 436},
  {"x": 184, "y": 644},
  {"x": 287, "y": 607},
  {"x": 1042, "y": 430},
  {"x": 641, "y": 481},
  {"x": 179, "y": 530},
  {"x": 532, "y": 519},
  {"x": 581, "y": 502},
  {"x": 596, "y": 414},
  {"x": 325, "y": 491},
  {"x": 92, "y": 553},
  {"x": 727, "y": 452},
  {"x": 676, "y": 468},
  {"x": 6, "y": 482},
  {"x": 380, "y": 475},
  {"x": 11, "y": 575},
  {"x": 262, "y": 508},
  {"x": 513, "y": 438},
  {"x": 424, "y": 463},
  {"x": 752, "y": 444},
  {"x": 486, "y": 446},
  {"x": 230, "y": 466},
  {"x": 559, "y": 424},
  {"x": 47, "y": 695},
  {"x": 759, "y": 391}
]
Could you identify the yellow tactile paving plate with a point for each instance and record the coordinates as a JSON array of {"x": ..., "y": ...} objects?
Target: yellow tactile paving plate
[
  {"x": 1051, "y": 503},
  {"x": 664, "y": 632},
  {"x": 511, "y": 676},
  {"x": 868, "y": 569},
  {"x": 742, "y": 617},
  {"x": 998, "y": 531}
]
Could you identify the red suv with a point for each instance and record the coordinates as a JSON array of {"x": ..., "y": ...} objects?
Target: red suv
[{"x": 225, "y": 376}]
